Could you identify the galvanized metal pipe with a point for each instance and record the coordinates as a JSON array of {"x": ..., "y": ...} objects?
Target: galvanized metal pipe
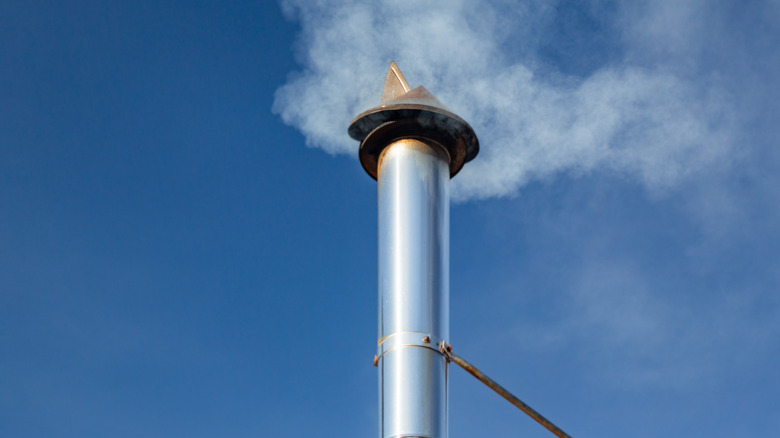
[{"x": 413, "y": 185}]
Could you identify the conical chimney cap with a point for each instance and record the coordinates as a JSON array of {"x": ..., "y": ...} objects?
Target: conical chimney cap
[{"x": 405, "y": 113}]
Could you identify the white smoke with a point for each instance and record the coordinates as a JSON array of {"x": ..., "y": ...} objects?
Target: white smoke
[{"x": 646, "y": 120}]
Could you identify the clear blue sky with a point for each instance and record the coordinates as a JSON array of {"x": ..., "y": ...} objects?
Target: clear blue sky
[{"x": 188, "y": 243}]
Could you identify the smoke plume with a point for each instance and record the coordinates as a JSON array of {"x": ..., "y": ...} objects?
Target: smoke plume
[{"x": 627, "y": 105}]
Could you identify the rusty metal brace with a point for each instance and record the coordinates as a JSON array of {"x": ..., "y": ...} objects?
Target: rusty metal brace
[{"x": 446, "y": 350}]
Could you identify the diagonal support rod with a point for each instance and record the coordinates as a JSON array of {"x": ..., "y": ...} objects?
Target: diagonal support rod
[{"x": 471, "y": 369}]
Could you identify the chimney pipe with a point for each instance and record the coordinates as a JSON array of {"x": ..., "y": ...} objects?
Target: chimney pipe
[{"x": 412, "y": 145}]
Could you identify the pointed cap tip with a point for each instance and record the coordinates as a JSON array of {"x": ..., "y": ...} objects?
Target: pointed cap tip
[{"x": 395, "y": 84}]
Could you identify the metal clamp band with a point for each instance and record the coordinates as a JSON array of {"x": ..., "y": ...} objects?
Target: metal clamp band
[{"x": 405, "y": 339}]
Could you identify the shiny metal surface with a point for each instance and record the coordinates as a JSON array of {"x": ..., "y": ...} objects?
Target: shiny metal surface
[
  {"x": 413, "y": 185},
  {"x": 412, "y": 145}
]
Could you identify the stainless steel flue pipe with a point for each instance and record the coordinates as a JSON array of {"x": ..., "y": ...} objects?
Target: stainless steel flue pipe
[
  {"x": 413, "y": 288},
  {"x": 412, "y": 145}
]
